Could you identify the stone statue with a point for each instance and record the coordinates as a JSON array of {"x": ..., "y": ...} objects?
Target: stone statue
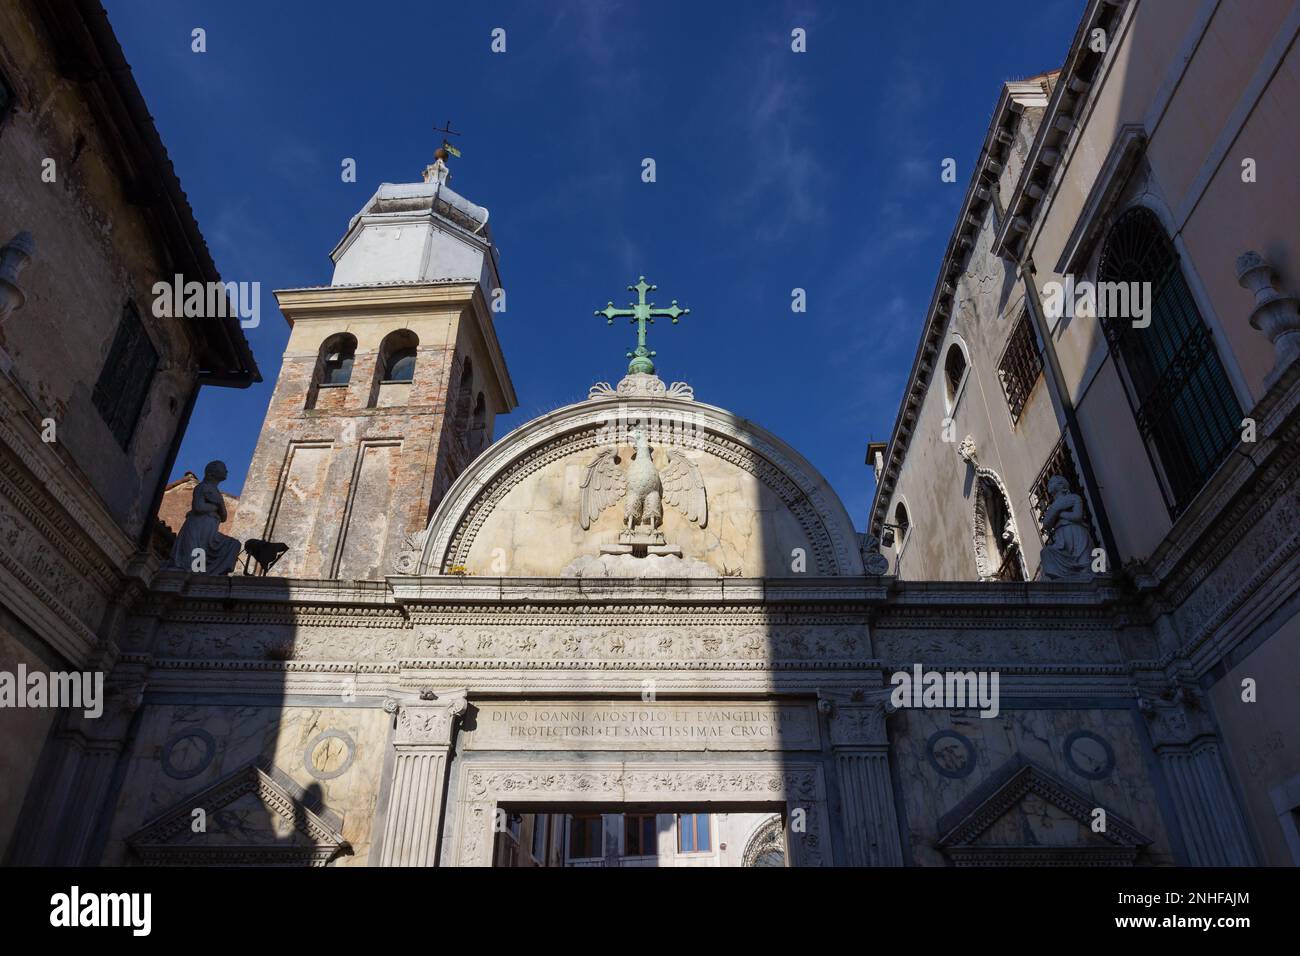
[
  {"x": 644, "y": 488},
  {"x": 200, "y": 547},
  {"x": 1068, "y": 556}
]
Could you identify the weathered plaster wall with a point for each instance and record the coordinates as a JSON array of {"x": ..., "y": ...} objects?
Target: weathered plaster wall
[{"x": 95, "y": 251}]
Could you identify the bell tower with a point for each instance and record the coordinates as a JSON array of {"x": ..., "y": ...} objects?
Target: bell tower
[{"x": 391, "y": 381}]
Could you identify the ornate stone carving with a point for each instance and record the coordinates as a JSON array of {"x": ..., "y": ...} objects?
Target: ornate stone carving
[
  {"x": 800, "y": 788},
  {"x": 990, "y": 538},
  {"x": 767, "y": 846},
  {"x": 429, "y": 722},
  {"x": 1018, "y": 780},
  {"x": 503, "y": 466},
  {"x": 966, "y": 451},
  {"x": 234, "y": 837}
]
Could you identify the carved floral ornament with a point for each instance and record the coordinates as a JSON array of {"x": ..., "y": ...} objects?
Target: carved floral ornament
[{"x": 590, "y": 427}]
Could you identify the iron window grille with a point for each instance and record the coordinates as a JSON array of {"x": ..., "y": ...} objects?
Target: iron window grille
[
  {"x": 1059, "y": 462},
  {"x": 1020, "y": 366},
  {"x": 1182, "y": 401}
]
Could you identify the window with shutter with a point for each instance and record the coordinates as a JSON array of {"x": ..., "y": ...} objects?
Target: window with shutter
[{"x": 128, "y": 372}]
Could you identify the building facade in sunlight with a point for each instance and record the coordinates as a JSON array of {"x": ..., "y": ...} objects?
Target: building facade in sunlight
[
  {"x": 640, "y": 630},
  {"x": 1116, "y": 306}
]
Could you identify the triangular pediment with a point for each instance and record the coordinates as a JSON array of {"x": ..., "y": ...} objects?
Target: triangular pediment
[
  {"x": 255, "y": 816},
  {"x": 1025, "y": 815}
]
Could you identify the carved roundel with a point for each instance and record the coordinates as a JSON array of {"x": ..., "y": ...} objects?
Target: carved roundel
[
  {"x": 187, "y": 753},
  {"x": 1088, "y": 755},
  {"x": 951, "y": 754},
  {"x": 329, "y": 754}
]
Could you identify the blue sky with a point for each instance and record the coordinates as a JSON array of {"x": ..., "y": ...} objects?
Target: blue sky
[{"x": 775, "y": 170}]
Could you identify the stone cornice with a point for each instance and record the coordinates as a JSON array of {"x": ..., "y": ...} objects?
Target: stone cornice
[{"x": 1013, "y": 99}]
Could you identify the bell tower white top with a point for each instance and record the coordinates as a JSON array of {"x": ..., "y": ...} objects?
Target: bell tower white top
[{"x": 418, "y": 232}]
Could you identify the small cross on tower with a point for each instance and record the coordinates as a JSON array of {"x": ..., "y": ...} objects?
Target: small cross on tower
[{"x": 641, "y": 313}]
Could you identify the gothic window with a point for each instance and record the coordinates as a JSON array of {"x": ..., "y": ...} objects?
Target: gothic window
[
  {"x": 954, "y": 373},
  {"x": 1020, "y": 366},
  {"x": 1181, "y": 397},
  {"x": 398, "y": 354},
  {"x": 337, "y": 356},
  {"x": 997, "y": 542},
  {"x": 693, "y": 834},
  {"x": 586, "y": 836},
  {"x": 640, "y": 835},
  {"x": 128, "y": 372}
]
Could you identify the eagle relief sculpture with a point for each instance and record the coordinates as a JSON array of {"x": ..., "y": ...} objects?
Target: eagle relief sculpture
[{"x": 643, "y": 488}]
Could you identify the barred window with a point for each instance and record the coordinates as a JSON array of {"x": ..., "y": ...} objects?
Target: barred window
[
  {"x": 1059, "y": 462},
  {"x": 128, "y": 372},
  {"x": 1020, "y": 366},
  {"x": 1181, "y": 397}
]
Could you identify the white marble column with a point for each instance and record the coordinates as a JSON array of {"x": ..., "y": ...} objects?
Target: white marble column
[
  {"x": 861, "y": 747},
  {"x": 1184, "y": 739},
  {"x": 422, "y": 743}
]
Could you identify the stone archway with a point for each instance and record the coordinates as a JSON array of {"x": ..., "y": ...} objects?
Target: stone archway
[{"x": 486, "y": 785}]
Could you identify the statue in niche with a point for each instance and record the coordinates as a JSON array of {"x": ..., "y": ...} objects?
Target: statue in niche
[
  {"x": 200, "y": 547},
  {"x": 1068, "y": 556}
]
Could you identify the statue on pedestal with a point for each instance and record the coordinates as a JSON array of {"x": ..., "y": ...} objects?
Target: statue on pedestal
[
  {"x": 200, "y": 547},
  {"x": 1068, "y": 556}
]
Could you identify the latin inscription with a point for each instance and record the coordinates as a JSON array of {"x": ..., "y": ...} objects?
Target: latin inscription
[{"x": 660, "y": 726}]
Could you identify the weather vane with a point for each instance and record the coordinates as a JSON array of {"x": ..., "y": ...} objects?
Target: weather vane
[
  {"x": 641, "y": 313},
  {"x": 446, "y": 150}
]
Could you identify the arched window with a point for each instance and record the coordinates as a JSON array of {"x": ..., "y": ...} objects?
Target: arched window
[
  {"x": 1181, "y": 397},
  {"x": 954, "y": 373},
  {"x": 397, "y": 354},
  {"x": 902, "y": 523},
  {"x": 337, "y": 355}
]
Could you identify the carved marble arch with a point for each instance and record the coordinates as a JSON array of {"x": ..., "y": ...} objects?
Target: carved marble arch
[
  {"x": 767, "y": 845},
  {"x": 994, "y": 535},
  {"x": 573, "y": 434}
]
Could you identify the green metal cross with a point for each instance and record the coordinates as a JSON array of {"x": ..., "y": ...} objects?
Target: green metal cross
[{"x": 642, "y": 312}]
